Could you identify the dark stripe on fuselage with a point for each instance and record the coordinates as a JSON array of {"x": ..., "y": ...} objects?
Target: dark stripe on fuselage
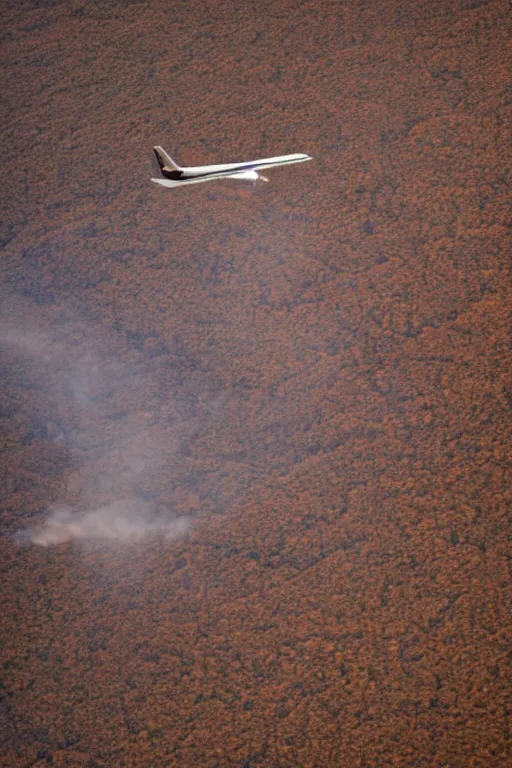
[
  {"x": 182, "y": 176},
  {"x": 176, "y": 175}
]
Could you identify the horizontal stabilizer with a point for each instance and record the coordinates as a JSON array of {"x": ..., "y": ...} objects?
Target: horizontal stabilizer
[{"x": 168, "y": 182}]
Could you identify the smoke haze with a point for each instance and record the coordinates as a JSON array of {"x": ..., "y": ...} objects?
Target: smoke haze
[{"x": 74, "y": 391}]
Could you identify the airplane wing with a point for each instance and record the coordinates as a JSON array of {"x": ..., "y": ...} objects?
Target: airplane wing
[{"x": 242, "y": 175}]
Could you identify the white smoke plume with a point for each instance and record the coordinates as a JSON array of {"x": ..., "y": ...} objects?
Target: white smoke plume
[
  {"x": 124, "y": 521},
  {"x": 106, "y": 413}
]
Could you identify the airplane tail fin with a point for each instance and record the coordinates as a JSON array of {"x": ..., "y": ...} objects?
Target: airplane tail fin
[{"x": 165, "y": 161}]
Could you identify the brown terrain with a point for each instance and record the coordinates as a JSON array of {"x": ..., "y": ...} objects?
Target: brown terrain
[{"x": 255, "y": 437}]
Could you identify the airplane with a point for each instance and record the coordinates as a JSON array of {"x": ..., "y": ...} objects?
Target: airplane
[{"x": 176, "y": 176}]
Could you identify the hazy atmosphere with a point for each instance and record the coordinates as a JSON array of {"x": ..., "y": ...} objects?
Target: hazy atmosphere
[{"x": 255, "y": 437}]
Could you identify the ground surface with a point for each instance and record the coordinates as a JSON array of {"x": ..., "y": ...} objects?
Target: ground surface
[{"x": 255, "y": 438}]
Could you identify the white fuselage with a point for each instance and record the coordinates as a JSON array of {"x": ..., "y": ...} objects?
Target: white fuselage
[
  {"x": 268, "y": 162},
  {"x": 241, "y": 171}
]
